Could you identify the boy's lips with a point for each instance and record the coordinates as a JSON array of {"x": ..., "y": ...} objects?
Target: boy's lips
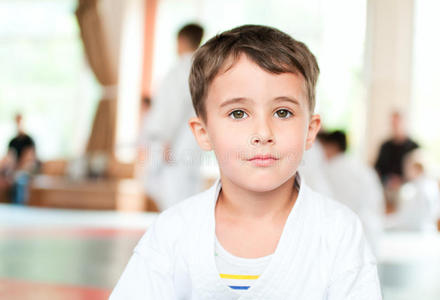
[
  {"x": 263, "y": 157},
  {"x": 265, "y": 160}
]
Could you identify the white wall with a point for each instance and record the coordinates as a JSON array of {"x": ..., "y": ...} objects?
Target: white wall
[{"x": 389, "y": 48}]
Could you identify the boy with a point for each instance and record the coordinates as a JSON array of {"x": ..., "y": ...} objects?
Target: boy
[{"x": 259, "y": 232}]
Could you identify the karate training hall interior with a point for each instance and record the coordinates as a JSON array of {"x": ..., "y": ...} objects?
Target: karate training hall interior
[{"x": 79, "y": 73}]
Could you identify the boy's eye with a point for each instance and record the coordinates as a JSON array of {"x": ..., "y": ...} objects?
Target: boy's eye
[
  {"x": 238, "y": 114},
  {"x": 283, "y": 113}
]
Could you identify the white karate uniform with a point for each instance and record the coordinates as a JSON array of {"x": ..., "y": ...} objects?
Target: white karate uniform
[
  {"x": 419, "y": 206},
  {"x": 322, "y": 254},
  {"x": 167, "y": 122},
  {"x": 358, "y": 186}
]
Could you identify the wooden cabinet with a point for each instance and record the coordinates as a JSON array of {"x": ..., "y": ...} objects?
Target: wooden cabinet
[{"x": 110, "y": 194}]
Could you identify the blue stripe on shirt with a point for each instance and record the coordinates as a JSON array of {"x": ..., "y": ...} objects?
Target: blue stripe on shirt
[{"x": 236, "y": 287}]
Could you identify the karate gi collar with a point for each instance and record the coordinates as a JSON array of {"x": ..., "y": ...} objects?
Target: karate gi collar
[{"x": 207, "y": 280}]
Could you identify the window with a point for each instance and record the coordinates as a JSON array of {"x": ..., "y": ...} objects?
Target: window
[
  {"x": 44, "y": 75},
  {"x": 426, "y": 84}
]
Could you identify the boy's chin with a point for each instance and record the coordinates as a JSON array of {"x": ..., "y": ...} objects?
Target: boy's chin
[{"x": 263, "y": 185}]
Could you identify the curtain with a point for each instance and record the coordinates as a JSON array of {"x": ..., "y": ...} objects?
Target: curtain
[{"x": 102, "y": 137}]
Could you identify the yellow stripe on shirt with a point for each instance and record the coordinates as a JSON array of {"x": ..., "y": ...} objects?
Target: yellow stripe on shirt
[{"x": 230, "y": 276}]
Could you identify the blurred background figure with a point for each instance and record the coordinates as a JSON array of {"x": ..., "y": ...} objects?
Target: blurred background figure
[
  {"x": 389, "y": 163},
  {"x": 145, "y": 109},
  {"x": 173, "y": 167},
  {"x": 354, "y": 183},
  {"x": 143, "y": 152},
  {"x": 418, "y": 207},
  {"x": 6, "y": 176},
  {"x": 22, "y": 146},
  {"x": 311, "y": 169},
  {"x": 19, "y": 164},
  {"x": 144, "y": 113}
]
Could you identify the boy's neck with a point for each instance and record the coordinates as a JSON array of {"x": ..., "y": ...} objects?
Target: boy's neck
[{"x": 238, "y": 202}]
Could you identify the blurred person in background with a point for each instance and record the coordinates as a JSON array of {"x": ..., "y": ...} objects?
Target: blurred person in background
[
  {"x": 311, "y": 169},
  {"x": 22, "y": 146},
  {"x": 173, "y": 167},
  {"x": 6, "y": 176},
  {"x": 354, "y": 184},
  {"x": 150, "y": 204},
  {"x": 19, "y": 164},
  {"x": 144, "y": 113},
  {"x": 419, "y": 198},
  {"x": 390, "y": 158}
]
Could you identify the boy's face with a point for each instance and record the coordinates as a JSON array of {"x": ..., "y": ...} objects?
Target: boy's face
[{"x": 258, "y": 124}]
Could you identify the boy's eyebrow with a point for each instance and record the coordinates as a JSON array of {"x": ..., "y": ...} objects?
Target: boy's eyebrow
[
  {"x": 234, "y": 100},
  {"x": 242, "y": 99},
  {"x": 288, "y": 99}
]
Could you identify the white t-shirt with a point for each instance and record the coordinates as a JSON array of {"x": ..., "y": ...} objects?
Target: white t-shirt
[
  {"x": 238, "y": 273},
  {"x": 322, "y": 254}
]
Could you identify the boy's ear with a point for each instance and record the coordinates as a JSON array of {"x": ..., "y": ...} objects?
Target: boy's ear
[
  {"x": 198, "y": 128},
  {"x": 314, "y": 126}
]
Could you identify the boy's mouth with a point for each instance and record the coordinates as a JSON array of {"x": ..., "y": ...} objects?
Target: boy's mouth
[
  {"x": 263, "y": 157},
  {"x": 265, "y": 160}
]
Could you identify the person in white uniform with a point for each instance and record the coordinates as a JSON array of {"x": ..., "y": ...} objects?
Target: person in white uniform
[
  {"x": 173, "y": 167},
  {"x": 311, "y": 169},
  {"x": 259, "y": 232},
  {"x": 354, "y": 184},
  {"x": 419, "y": 197}
]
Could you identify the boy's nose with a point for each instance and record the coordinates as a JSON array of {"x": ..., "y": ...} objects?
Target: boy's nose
[
  {"x": 263, "y": 132},
  {"x": 257, "y": 140}
]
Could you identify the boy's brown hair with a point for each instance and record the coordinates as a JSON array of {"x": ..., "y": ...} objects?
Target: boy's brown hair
[{"x": 268, "y": 47}]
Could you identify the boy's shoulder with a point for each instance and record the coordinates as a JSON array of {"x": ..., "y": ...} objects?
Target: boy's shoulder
[
  {"x": 338, "y": 234},
  {"x": 330, "y": 213},
  {"x": 340, "y": 229},
  {"x": 171, "y": 225},
  {"x": 193, "y": 207}
]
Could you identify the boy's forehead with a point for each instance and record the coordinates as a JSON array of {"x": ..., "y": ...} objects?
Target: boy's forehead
[{"x": 243, "y": 78}]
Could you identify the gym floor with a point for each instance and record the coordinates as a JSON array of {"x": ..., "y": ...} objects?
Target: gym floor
[{"x": 60, "y": 254}]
